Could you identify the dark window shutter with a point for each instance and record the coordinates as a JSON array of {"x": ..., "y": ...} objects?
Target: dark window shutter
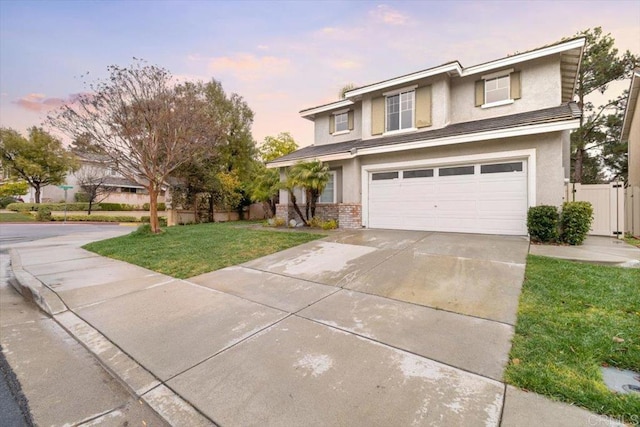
[
  {"x": 514, "y": 79},
  {"x": 377, "y": 116},
  {"x": 479, "y": 93},
  {"x": 423, "y": 107}
]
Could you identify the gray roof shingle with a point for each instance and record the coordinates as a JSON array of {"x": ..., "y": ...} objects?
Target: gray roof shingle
[{"x": 568, "y": 111}]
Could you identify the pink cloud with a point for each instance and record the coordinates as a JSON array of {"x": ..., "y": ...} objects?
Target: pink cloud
[
  {"x": 388, "y": 15},
  {"x": 38, "y": 102}
]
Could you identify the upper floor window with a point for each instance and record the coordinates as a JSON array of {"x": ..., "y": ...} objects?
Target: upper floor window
[
  {"x": 400, "y": 111},
  {"x": 496, "y": 89},
  {"x": 342, "y": 122},
  {"x": 499, "y": 88}
]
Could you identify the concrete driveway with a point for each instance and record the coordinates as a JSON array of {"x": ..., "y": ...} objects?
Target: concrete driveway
[
  {"x": 361, "y": 328},
  {"x": 397, "y": 327}
]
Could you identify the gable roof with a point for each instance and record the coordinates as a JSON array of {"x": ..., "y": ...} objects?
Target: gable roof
[
  {"x": 562, "y": 117},
  {"x": 570, "y": 56}
]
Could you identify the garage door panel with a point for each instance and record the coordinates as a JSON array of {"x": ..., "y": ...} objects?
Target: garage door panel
[{"x": 480, "y": 203}]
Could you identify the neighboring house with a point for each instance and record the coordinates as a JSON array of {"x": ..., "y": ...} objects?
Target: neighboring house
[
  {"x": 448, "y": 148},
  {"x": 631, "y": 134},
  {"x": 94, "y": 165}
]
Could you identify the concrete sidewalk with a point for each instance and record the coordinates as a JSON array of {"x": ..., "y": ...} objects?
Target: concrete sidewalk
[
  {"x": 594, "y": 250},
  {"x": 259, "y": 345}
]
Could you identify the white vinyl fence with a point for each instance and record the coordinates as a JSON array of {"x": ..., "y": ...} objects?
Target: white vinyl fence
[{"x": 608, "y": 206}]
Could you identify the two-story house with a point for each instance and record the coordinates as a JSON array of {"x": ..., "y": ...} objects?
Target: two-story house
[{"x": 448, "y": 148}]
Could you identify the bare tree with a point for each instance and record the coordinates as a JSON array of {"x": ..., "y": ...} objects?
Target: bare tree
[
  {"x": 144, "y": 123},
  {"x": 94, "y": 182}
]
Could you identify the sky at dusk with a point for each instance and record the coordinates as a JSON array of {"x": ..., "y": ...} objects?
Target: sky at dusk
[{"x": 281, "y": 57}]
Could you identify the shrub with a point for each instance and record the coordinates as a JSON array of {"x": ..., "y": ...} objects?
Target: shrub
[
  {"x": 33, "y": 207},
  {"x": 575, "y": 222},
  {"x": 8, "y": 200},
  {"x": 143, "y": 230},
  {"x": 542, "y": 223},
  {"x": 161, "y": 207},
  {"x": 316, "y": 222},
  {"x": 44, "y": 214},
  {"x": 81, "y": 197},
  {"x": 97, "y": 218},
  {"x": 115, "y": 207}
]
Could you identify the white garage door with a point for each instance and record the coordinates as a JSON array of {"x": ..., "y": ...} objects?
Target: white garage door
[{"x": 488, "y": 198}]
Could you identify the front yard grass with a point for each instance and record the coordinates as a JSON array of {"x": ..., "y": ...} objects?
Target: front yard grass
[
  {"x": 16, "y": 217},
  {"x": 574, "y": 318},
  {"x": 186, "y": 251}
]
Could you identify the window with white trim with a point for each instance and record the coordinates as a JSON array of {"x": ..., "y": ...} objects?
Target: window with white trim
[
  {"x": 329, "y": 193},
  {"x": 400, "y": 109},
  {"x": 497, "y": 89},
  {"x": 341, "y": 122}
]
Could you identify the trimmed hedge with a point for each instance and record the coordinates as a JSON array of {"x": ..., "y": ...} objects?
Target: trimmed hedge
[
  {"x": 43, "y": 214},
  {"x": 77, "y": 206},
  {"x": 161, "y": 207},
  {"x": 575, "y": 222},
  {"x": 116, "y": 207},
  {"x": 34, "y": 207},
  {"x": 542, "y": 223},
  {"x": 96, "y": 218}
]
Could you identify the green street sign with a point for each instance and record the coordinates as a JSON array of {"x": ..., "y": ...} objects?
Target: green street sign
[{"x": 65, "y": 187}]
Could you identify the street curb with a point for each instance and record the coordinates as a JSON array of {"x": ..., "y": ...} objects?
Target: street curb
[
  {"x": 144, "y": 385},
  {"x": 33, "y": 289}
]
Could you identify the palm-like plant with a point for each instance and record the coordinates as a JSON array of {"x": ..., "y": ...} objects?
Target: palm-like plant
[{"x": 312, "y": 177}]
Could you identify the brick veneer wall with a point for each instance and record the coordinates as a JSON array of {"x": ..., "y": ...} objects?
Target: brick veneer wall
[{"x": 348, "y": 215}]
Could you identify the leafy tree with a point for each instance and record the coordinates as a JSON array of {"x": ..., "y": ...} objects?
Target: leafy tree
[
  {"x": 312, "y": 177},
  {"x": 13, "y": 188},
  {"x": 229, "y": 152},
  {"x": 93, "y": 181},
  {"x": 265, "y": 184},
  {"x": 147, "y": 125},
  {"x": 601, "y": 65},
  {"x": 276, "y": 146},
  {"x": 40, "y": 159}
]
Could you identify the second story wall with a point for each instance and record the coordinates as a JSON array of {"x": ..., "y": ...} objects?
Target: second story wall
[
  {"x": 540, "y": 87},
  {"x": 323, "y": 134}
]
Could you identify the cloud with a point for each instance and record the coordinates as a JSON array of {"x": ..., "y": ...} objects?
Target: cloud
[
  {"x": 388, "y": 15},
  {"x": 38, "y": 102},
  {"x": 249, "y": 67}
]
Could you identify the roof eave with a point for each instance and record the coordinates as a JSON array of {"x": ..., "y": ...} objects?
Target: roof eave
[
  {"x": 634, "y": 91},
  {"x": 509, "y": 132},
  {"x": 526, "y": 56},
  {"x": 310, "y": 113}
]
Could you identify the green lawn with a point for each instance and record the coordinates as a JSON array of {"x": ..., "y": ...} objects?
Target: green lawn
[
  {"x": 632, "y": 241},
  {"x": 572, "y": 319},
  {"x": 186, "y": 251},
  {"x": 16, "y": 217}
]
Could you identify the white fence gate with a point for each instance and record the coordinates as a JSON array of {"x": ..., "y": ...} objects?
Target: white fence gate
[{"x": 608, "y": 206}]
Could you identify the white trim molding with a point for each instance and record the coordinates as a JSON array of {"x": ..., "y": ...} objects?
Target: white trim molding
[
  {"x": 311, "y": 112},
  {"x": 529, "y": 155}
]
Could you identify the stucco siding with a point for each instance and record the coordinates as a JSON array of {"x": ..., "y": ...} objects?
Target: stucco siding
[
  {"x": 321, "y": 129},
  {"x": 540, "y": 82}
]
